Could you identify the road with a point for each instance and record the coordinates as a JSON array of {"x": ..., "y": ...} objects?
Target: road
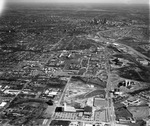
[
  {"x": 55, "y": 45},
  {"x": 133, "y": 50},
  {"x": 136, "y": 52},
  {"x": 16, "y": 95},
  {"x": 110, "y": 107},
  {"x": 58, "y": 104},
  {"x": 85, "y": 121},
  {"x": 109, "y": 87}
]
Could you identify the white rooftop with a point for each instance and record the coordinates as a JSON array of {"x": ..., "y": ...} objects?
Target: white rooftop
[{"x": 3, "y": 104}]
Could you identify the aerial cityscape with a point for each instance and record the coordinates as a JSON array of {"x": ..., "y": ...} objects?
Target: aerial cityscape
[{"x": 74, "y": 64}]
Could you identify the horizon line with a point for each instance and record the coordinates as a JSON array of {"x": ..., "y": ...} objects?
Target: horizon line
[{"x": 42, "y": 2}]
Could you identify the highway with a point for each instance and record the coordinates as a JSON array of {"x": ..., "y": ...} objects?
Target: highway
[{"x": 133, "y": 50}]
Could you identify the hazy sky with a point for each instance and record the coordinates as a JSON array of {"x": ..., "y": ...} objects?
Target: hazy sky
[{"x": 86, "y": 1}]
